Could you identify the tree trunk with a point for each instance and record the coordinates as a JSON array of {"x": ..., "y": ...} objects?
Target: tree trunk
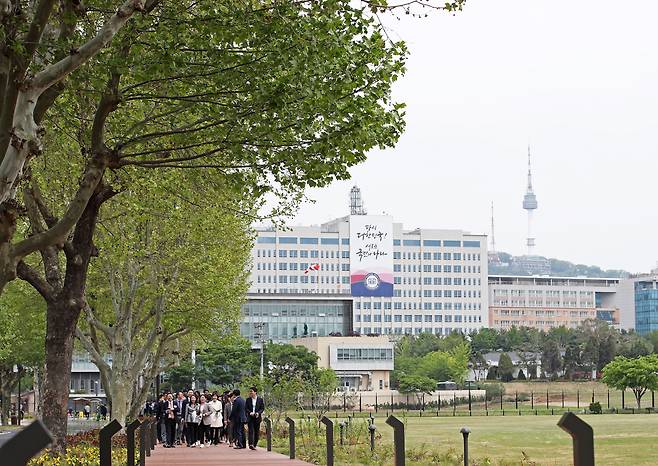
[
  {"x": 6, "y": 385},
  {"x": 38, "y": 392},
  {"x": 62, "y": 318},
  {"x": 120, "y": 394}
]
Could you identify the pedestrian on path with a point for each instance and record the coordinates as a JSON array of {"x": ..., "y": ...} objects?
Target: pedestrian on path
[
  {"x": 254, "y": 407},
  {"x": 238, "y": 419},
  {"x": 216, "y": 418}
]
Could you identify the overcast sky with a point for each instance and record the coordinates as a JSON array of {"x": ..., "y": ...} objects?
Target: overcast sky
[{"x": 577, "y": 80}]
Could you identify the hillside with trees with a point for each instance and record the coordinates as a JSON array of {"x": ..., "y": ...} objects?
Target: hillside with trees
[{"x": 509, "y": 265}]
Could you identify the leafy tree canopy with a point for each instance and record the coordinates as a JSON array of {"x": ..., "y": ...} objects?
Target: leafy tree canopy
[
  {"x": 639, "y": 374},
  {"x": 416, "y": 384}
]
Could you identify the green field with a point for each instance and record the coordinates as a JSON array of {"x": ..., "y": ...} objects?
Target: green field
[{"x": 618, "y": 439}]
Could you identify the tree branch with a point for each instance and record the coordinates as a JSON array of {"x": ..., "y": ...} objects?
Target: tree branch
[
  {"x": 59, "y": 232},
  {"x": 28, "y": 274},
  {"x": 59, "y": 70}
]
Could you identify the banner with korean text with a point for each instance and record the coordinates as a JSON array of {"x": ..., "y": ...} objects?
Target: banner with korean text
[{"x": 371, "y": 255}]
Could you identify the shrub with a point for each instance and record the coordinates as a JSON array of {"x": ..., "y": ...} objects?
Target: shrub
[
  {"x": 494, "y": 390},
  {"x": 90, "y": 439},
  {"x": 521, "y": 375},
  {"x": 78, "y": 456},
  {"x": 595, "y": 408}
]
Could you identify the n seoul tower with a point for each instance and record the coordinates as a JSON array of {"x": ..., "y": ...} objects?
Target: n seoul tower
[{"x": 530, "y": 204}]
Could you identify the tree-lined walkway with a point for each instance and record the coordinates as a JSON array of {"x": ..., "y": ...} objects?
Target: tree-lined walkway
[{"x": 217, "y": 456}]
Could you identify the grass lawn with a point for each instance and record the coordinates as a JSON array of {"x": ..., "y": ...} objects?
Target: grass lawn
[{"x": 618, "y": 439}]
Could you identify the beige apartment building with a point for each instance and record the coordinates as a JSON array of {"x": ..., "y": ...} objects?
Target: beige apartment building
[
  {"x": 546, "y": 302},
  {"x": 362, "y": 363}
]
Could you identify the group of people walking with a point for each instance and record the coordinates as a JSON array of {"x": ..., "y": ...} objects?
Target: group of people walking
[{"x": 203, "y": 419}]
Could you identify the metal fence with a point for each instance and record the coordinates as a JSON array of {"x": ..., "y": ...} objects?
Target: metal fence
[{"x": 532, "y": 402}]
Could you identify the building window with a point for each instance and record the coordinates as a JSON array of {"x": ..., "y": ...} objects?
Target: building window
[
  {"x": 329, "y": 241},
  {"x": 266, "y": 239},
  {"x": 308, "y": 241},
  {"x": 287, "y": 240},
  {"x": 411, "y": 242}
]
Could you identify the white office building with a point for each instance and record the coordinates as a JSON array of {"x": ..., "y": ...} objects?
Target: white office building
[{"x": 398, "y": 281}]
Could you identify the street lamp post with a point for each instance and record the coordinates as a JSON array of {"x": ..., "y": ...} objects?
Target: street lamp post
[
  {"x": 260, "y": 336},
  {"x": 19, "y": 405}
]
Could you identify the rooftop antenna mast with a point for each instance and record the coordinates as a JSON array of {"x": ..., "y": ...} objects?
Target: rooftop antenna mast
[
  {"x": 493, "y": 236},
  {"x": 356, "y": 202},
  {"x": 530, "y": 205}
]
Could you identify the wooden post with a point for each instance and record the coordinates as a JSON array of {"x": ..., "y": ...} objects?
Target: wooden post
[
  {"x": 291, "y": 435},
  {"x": 329, "y": 435},
  {"x": 398, "y": 439},
  {"x": 583, "y": 438},
  {"x": 105, "y": 442}
]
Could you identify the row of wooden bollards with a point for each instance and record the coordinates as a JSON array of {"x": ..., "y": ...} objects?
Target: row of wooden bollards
[
  {"x": 581, "y": 433},
  {"x": 20, "y": 448}
]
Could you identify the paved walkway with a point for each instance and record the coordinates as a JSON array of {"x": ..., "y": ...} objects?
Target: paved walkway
[{"x": 217, "y": 456}]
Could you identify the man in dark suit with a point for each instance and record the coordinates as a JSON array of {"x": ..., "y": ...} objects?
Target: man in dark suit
[
  {"x": 238, "y": 419},
  {"x": 172, "y": 415},
  {"x": 181, "y": 403},
  {"x": 254, "y": 407}
]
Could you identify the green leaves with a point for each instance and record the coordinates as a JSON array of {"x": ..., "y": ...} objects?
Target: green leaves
[
  {"x": 639, "y": 374},
  {"x": 416, "y": 384}
]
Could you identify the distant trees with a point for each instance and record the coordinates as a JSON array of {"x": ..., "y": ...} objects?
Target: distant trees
[
  {"x": 505, "y": 368},
  {"x": 551, "y": 360},
  {"x": 564, "y": 352},
  {"x": 639, "y": 374},
  {"x": 427, "y": 355}
]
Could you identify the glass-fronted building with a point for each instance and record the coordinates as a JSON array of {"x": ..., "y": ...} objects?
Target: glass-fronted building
[
  {"x": 646, "y": 306},
  {"x": 281, "y": 318}
]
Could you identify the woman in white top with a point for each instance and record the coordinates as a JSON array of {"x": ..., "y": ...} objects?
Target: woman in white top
[
  {"x": 204, "y": 425},
  {"x": 216, "y": 418}
]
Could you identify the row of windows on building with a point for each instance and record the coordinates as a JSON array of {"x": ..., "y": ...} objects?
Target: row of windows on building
[
  {"x": 437, "y": 281},
  {"x": 426, "y": 306},
  {"x": 540, "y": 303},
  {"x": 427, "y": 268},
  {"x": 302, "y": 279},
  {"x": 85, "y": 383},
  {"x": 332, "y": 254},
  {"x": 555, "y": 293},
  {"x": 434, "y": 306},
  {"x": 537, "y": 323},
  {"x": 417, "y": 318},
  {"x": 345, "y": 267},
  {"x": 517, "y": 313},
  {"x": 292, "y": 253},
  {"x": 304, "y": 290},
  {"x": 412, "y": 331},
  {"x": 345, "y": 241},
  {"x": 370, "y": 354}
]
